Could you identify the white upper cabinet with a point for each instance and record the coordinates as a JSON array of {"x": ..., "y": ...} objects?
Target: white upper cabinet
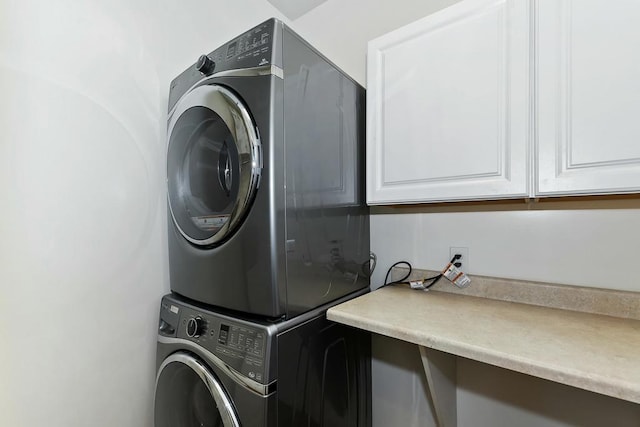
[
  {"x": 449, "y": 107},
  {"x": 588, "y": 107},
  {"x": 494, "y": 99}
]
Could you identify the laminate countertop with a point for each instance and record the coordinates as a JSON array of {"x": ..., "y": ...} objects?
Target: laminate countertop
[{"x": 594, "y": 352}]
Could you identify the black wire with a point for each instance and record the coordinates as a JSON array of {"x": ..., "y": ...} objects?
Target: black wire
[
  {"x": 434, "y": 279},
  {"x": 397, "y": 281},
  {"x": 439, "y": 276}
]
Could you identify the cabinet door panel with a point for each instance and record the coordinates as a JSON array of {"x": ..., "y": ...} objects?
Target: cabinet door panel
[
  {"x": 448, "y": 106},
  {"x": 589, "y": 97}
]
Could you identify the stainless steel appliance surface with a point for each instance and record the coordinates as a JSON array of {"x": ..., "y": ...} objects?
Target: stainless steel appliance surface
[
  {"x": 217, "y": 370},
  {"x": 265, "y": 173}
]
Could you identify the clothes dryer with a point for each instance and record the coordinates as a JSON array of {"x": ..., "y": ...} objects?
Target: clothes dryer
[{"x": 265, "y": 173}]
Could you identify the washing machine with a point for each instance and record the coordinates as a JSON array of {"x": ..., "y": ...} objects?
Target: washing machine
[
  {"x": 217, "y": 370},
  {"x": 265, "y": 172}
]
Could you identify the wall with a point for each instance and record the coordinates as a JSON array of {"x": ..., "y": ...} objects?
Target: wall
[
  {"x": 341, "y": 29},
  {"x": 581, "y": 242},
  {"x": 83, "y": 259},
  {"x": 587, "y": 242}
]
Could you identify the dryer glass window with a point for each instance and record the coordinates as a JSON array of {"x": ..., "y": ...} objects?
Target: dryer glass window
[
  {"x": 183, "y": 399},
  {"x": 203, "y": 172}
]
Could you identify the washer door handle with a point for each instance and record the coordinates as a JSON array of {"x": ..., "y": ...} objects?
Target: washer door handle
[{"x": 223, "y": 402}]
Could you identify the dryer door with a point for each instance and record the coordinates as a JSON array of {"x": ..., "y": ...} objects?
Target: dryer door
[
  {"x": 213, "y": 164},
  {"x": 188, "y": 394}
]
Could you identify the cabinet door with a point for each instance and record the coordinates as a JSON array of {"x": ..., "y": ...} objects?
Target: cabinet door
[
  {"x": 448, "y": 106},
  {"x": 589, "y": 97}
]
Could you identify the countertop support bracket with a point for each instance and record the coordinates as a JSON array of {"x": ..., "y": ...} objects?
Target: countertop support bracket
[{"x": 440, "y": 369}]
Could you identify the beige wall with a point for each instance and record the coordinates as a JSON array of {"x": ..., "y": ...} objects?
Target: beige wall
[{"x": 586, "y": 242}]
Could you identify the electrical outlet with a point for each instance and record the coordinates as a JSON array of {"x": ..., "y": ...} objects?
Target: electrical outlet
[{"x": 465, "y": 256}]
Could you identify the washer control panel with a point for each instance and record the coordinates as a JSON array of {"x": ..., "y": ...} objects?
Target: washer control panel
[
  {"x": 242, "y": 345},
  {"x": 245, "y": 343}
]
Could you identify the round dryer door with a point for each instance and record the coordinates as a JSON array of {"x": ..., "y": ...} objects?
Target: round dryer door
[
  {"x": 188, "y": 394},
  {"x": 213, "y": 164}
]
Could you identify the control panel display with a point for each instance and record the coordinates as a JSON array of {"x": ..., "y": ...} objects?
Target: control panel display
[
  {"x": 254, "y": 41},
  {"x": 242, "y": 339},
  {"x": 224, "y": 334}
]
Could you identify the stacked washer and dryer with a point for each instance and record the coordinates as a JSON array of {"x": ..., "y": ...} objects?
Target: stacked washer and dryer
[{"x": 268, "y": 227}]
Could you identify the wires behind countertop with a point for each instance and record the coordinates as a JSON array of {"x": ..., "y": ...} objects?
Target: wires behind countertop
[{"x": 432, "y": 280}]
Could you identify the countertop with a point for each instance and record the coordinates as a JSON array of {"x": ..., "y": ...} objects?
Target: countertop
[{"x": 594, "y": 352}]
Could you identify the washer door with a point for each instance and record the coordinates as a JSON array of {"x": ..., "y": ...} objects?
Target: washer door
[
  {"x": 188, "y": 394},
  {"x": 213, "y": 164}
]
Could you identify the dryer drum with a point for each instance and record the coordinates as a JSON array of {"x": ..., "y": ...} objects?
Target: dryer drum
[{"x": 213, "y": 164}]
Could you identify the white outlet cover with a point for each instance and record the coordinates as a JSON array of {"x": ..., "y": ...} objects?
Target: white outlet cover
[{"x": 464, "y": 251}]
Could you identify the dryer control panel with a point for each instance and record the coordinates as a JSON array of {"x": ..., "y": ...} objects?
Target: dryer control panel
[
  {"x": 251, "y": 49},
  {"x": 257, "y": 47}
]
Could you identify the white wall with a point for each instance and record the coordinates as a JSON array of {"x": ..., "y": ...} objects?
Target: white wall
[
  {"x": 592, "y": 243},
  {"x": 341, "y": 29},
  {"x": 585, "y": 243},
  {"x": 83, "y": 259}
]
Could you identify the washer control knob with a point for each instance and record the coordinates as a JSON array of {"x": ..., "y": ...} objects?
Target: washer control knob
[
  {"x": 195, "y": 326},
  {"x": 205, "y": 65}
]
